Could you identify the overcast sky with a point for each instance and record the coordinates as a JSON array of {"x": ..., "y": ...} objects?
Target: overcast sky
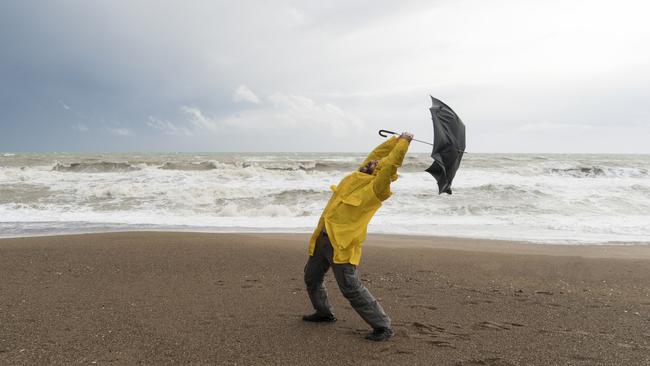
[{"x": 525, "y": 76}]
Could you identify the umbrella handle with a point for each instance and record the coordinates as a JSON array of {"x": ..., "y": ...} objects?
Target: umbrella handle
[{"x": 383, "y": 133}]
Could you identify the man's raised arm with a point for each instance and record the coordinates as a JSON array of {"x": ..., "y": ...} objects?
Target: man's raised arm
[
  {"x": 381, "y": 185},
  {"x": 381, "y": 151}
]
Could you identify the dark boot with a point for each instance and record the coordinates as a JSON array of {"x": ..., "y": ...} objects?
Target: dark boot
[
  {"x": 380, "y": 334},
  {"x": 319, "y": 318}
]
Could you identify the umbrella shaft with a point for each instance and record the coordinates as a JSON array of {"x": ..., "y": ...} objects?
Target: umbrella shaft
[{"x": 423, "y": 142}]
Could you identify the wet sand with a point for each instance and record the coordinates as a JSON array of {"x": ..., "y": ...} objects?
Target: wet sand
[{"x": 226, "y": 299}]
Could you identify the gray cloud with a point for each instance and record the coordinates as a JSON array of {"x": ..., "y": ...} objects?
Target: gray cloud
[
  {"x": 244, "y": 94},
  {"x": 167, "y": 127},
  {"x": 286, "y": 75}
]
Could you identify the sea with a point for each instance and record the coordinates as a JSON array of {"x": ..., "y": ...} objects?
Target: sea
[{"x": 540, "y": 198}]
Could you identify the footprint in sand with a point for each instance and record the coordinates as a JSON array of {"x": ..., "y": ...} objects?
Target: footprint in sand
[
  {"x": 492, "y": 361},
  {"x": 432, "y": 334},
  {"x": 544, "y": 292},
  {"x": 476, "y": 302},
  {"x": 438, "y": 343},
  {"x": 252, "y": 282},
  {"x": 427, "y": 328},
  {"x": 351, "y": 330},
  {"x": 516, "y": 324},
  {"x": 424, "y": 306}
]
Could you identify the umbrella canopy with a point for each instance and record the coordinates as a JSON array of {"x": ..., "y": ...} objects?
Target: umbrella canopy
[{"x": 448, "y": 144}]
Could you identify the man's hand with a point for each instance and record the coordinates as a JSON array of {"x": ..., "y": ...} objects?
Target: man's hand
[{"x": 406, "y": 136}]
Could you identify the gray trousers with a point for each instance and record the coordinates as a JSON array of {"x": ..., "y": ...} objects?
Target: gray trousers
[{"x": 349, "y": 283}]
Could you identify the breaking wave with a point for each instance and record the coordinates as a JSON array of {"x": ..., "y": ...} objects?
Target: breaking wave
[
  {"x": 204, "y": 165},
  {"x": 559, "y": 198},
  {"x": 287, "y": 167},
  {"x": 98, "y": 167},
  {"x": 597, "y": 172}
]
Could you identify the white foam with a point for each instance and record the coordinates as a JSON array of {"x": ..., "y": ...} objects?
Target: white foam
[{"x": 546, "y": 199}]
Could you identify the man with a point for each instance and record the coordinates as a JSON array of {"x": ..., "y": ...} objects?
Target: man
[{"x": 341, "y": 230}]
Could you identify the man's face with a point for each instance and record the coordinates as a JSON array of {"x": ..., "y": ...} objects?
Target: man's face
[{"x": 370, "y": 167}]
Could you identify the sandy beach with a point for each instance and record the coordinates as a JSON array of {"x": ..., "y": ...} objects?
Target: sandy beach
[{"x": 159, "y": 298}]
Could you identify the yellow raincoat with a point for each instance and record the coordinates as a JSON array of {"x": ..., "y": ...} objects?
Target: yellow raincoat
[{"x": 356, "y": 199}]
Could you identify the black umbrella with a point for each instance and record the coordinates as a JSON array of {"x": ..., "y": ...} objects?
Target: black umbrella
[{"x": 448, "y": 144}]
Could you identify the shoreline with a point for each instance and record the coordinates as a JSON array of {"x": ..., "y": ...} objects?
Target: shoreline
[{"x": 605, "y": 250}]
